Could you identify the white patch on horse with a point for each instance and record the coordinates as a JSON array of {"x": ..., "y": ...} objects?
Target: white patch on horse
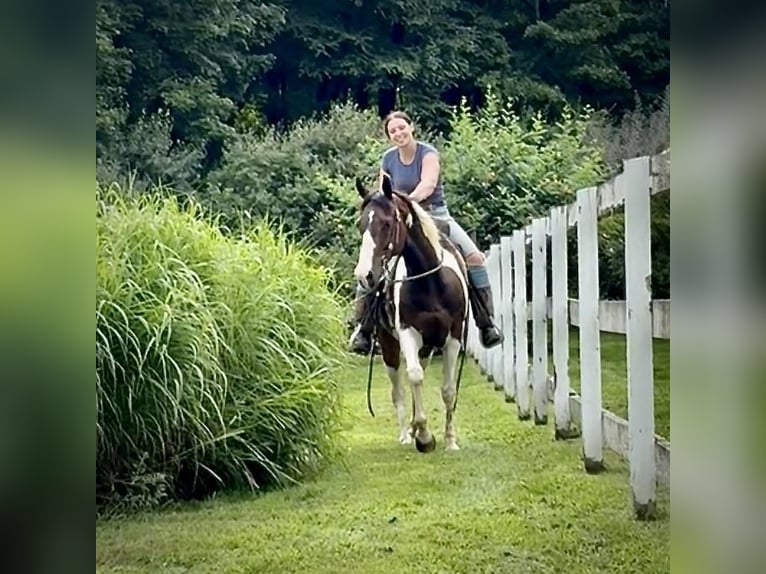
[
  {"x": 399, "y": 274},
  {"x": 397, "y": 398},
  {"x": 449, "y": 391},
  {"x": 366, "y": 251},
  {"x": 410, "y": 341},
  {"x": 449, "y": 261}
]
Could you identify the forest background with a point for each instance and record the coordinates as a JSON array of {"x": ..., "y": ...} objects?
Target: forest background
[{"x": 272, "y": 108}]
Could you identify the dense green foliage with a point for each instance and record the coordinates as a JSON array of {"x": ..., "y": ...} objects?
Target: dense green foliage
[
  {"x": 216, "y": 356},
  {"x": 217, "y": 66},
  {"x": 528, "y": 101},
  {"x": 502, "y": 171},
  {"x": 305, "y": 179},
  {"x": 611, "y": 241}
]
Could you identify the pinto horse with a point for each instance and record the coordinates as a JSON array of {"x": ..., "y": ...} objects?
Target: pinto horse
[{"x": 422, "y": 277}]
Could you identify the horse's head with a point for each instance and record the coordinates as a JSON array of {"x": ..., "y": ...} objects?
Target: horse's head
[
  {"x": 382, "y": 223},
  {"x": 388, "y": 221}
]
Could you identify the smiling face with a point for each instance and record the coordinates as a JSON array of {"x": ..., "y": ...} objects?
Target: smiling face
[{"x": 399, "y": 131}]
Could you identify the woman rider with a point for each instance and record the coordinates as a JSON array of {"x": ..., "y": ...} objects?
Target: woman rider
[{"x": 413, "y": 167}]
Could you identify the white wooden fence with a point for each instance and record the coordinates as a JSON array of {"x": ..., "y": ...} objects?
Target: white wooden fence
[{"x": 516, "y": 374}]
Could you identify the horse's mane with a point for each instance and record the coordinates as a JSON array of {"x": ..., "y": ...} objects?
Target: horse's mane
[{"x": 426, "y": 223}]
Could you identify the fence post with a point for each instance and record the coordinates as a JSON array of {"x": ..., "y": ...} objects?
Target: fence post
[
  {"x": 482, "y": 352},
  {"x": 638, "y": 268},
  {"x": 590, "y": 351},
  {"x": 560, "y": 313},
  {"x": 506, "y": 273},
  {"x": 539, "y": 322},
  {"x": 495, "y": 362},
  {"x": 520, "y": 322}
]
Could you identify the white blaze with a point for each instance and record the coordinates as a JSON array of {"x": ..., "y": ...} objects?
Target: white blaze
[{"x": 364, "y": 264}]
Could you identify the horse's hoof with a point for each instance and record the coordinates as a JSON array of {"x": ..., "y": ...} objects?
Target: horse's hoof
[
  {"x": 452, "y": 447},
  {"x": 425, "y": 447},
  {"x": 405, "y": 439}
]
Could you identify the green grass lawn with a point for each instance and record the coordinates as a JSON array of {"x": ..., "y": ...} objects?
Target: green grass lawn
[
  {"x": 614, "y": 378},
  {"x": 511, "y": 500}
]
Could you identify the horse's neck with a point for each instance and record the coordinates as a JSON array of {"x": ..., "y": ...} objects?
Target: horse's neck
[{"x": 418, "y": 254}]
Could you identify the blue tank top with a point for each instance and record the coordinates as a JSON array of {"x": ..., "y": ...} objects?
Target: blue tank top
[{"x": 405, "y": 177}]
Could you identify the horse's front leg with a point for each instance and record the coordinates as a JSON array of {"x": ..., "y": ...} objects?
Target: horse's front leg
[
  {"x": 397, "y": 398},
  {"x": 411, "y": 341},
  {"x": 449, "y": 363},
  {"x": 391, "y": 358}
]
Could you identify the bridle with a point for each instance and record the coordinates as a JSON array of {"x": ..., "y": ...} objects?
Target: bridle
[{"x": 394, "y": 249}]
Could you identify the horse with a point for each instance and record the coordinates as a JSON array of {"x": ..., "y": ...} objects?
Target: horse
[{"x": 405, "y": 258}]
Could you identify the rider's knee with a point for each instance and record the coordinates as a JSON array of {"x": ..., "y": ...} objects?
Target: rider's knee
[{"x": 475, "y": 258}]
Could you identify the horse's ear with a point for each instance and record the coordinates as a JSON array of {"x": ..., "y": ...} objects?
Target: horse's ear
[
  {"x": 360, "y": 188},
  {"x": 387, "y": 189}
]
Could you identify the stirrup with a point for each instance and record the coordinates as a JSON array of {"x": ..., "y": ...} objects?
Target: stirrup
[{"x": 491, "y": 337}]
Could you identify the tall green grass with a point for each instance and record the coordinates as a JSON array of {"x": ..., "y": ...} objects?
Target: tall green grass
[{"x": 216, "y": 355}]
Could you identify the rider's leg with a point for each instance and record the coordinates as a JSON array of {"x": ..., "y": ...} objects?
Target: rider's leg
[
  {"x": 479, "y": 290},
  {"x": 481, "y": 300},
  {"x": 361, "y": 339}
]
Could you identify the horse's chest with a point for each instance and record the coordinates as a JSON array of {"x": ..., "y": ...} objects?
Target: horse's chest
[{"x": 430, "y": 321}]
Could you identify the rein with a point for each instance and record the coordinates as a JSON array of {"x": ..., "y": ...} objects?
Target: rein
[{"x": 463, "y": 351}]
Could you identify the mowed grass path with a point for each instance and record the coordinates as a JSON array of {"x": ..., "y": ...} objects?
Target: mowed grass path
[{"x": 512, "y": 500}]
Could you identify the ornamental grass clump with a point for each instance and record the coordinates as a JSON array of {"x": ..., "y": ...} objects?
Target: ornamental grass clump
[{"x": 216, "y": 355}]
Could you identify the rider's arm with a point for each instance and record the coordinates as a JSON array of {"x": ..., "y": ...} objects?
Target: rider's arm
[{"x": 429, "y": 176}]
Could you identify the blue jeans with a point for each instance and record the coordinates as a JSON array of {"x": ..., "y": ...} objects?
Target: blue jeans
[{"x": 457, "y": 234}]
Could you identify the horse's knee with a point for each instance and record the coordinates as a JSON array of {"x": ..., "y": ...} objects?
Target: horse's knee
[
  {"x": 415, "y": 374},
  {"x": 475, "y": 258}
]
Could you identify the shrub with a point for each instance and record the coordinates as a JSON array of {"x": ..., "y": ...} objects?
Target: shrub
[
  {"x": 501, "y": 171},
  {"x": 215, "y": 355},
  {"x": 611, "y": 252},
  {"x": 304, "y": 178},
  {"x": 335, "y": 232},
  {"x": 275, "y": 173},
  {"x": 146, "y": 154}
]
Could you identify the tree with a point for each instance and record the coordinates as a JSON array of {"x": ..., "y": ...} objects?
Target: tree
[{"x": 195, "y": 58}]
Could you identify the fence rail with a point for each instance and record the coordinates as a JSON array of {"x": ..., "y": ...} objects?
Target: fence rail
[
  {"x": 612, "y": 315},
  {"x": 514, "y": 372}
]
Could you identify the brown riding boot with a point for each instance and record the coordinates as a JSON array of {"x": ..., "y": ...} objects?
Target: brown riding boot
[
  {"x": 361, "y": 342},
  {"x": 483, "y": 313}
]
